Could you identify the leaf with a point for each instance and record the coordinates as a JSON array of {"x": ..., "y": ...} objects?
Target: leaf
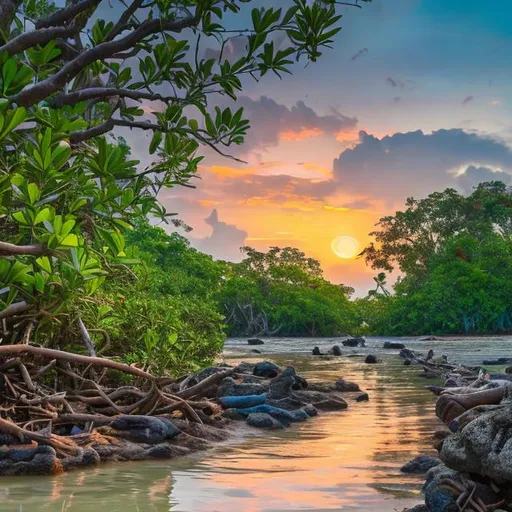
[
  {"x": 44, "y": 214},
  {"x": 33, "y": 192},
  {"x": 17, "y": 118},
  {"x": 70, "y": 240},
  {"x": 44, "y": 263}
]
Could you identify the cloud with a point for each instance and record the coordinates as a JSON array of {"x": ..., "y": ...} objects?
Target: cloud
[
  {"x": 415, "y": 163},
  {"x": 361, "y": 53},
  {"x": 272, "y": 122},
  {"x": 473, "y": 175},
  {"x": 467, "y": 99},
  {"x": 225, "y": 241}
]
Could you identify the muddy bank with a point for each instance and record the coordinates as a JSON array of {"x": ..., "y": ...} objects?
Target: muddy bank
[{"x": 64, "y": 414}]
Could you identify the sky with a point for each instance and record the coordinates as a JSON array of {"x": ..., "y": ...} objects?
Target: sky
[{"x": 414, "y": 97}]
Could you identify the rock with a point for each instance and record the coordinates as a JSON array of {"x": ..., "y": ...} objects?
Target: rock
[
  {"x": 266, "y": 369},
  {"x": 363, "y": 397},
  {"x": 164, "y": 451},
  {"x": 300, "y": 382},
  {"x": 497, "y": 362},
  {"x": 407, "y": 362},
  {"x": 321, "y": 387},
  {"x": 285, "y": 417},
  {"x": 289, "y": 403},
  {"x": 371, "y": 359},
  {"x": 263, "y": 420},
  {"x": 316, "y": 352},
  {"x": 420, "y": 465},
  {"x": 145, "y": 429},
  {"x": 255, "y": 341},
  {"x": 418, "y": 508},
  {"x": 322, "y": 401},
  {"x": 508, "y": 370},
  {"x": 88, "y": 457},
  {"x": 281, "y": 386},
  {"x": 229, "y": 387},
  {"x": 438, "y": 499},
  {"x": 346, "y": 386},
  {"x": 428, "y": 338},
  {"x": 255, "y": 351},
  {"x": 354, "y": 342},
  {"x": 335, "y": 351},
  {"x": 230, "y": 402},
  {"x": 244, "y": 367},
  {"x": 483, "y": 446},
  {"x": 310, "y": 410},
  {"x": 408, "y": 354},
  {"x": 393, "y": 345},
  {"x": 207, "y": 372}
]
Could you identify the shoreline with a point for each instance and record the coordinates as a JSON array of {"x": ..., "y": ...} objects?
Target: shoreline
[{"x": 215, "y": 402}]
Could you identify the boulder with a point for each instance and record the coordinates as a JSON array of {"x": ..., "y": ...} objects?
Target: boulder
[
  {"x": 300, "y": 382},
  {"x": 344, "y": 386},
  {"x": 255, "y": 341},
  {"x": 310, "y": 410},
  {"x": 363, "y": 397},
  {"x": 316, "y": 352},
  {"x": 371, "y": 359},
  {"x": 407, "y": 362},
  {"x": 263, "y": 420},
  {"x": 420, "y": 465},
  {"x": 255, "y": 351},
  {"x": 483, "y": 446},
  {"x": 229, "y": 387},
  {"x": 393, "y": 345},
  {"x": 266, "y": 369},
  {"x": 145, "y": 429},
  {"x": 354, "y": 342},
  {"x": 321, "y": 387},
  {"x": 508, "y": 370},
  {"x": 281, "y": 386}
]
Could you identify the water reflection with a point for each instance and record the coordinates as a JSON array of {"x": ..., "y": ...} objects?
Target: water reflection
[{"x": 339, "y": 461}]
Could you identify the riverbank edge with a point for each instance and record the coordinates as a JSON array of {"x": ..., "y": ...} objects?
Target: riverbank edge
[{"x": 255, "y": 395}]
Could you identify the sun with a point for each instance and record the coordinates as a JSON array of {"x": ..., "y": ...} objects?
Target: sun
[{"x": 345, "y": 247}]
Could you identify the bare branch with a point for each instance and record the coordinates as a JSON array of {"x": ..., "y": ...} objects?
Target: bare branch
[
  {"x": 29, "y": 39},
  {"x": 14, "y": 309},
  {"x": 89, "y": 133},
  {"x": 7, "y": 249},
  {"x": 106, "y": 92},
  {"x": 68, "y": 13},
  {"x": 86, "y": 338},
  {"x": 49, "y": 86},
  {"x": 123, "y": 20}
]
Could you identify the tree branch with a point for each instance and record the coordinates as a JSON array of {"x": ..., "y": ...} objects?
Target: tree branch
[
  {"x": 49, "y": 86},
  {"x": 68, "y": 13},
  {"x": 123, "y": 20},
  {"x": 14, "y": 309},
  {"x": 28, "y": 39},
  {"x": 106, "y": 92},
  {"x": 7, "y": 249}
]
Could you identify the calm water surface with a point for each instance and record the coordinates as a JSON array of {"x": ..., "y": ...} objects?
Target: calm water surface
[{"x": 348, "y": 460}]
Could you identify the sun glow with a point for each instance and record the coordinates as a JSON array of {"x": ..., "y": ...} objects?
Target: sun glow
[{"x": 345, "y": 247}]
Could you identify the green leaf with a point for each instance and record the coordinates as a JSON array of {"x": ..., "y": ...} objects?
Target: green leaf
[
  {"x": 44, "y": 214},
  {"x": 70, "y": 240}
]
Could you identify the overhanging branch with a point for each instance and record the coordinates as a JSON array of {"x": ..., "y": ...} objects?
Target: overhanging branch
[{"x": 7, "y": 249}]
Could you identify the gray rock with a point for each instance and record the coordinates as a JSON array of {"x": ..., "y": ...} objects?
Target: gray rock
[
  {"x": 321, "y": 401},
  {"x": 266, "y": 369},
  {"x": 420, "y": 464},
  {"x": 335, "y": 351},
  {"x": 289, "y": 403},
  {"x": 483, "y": 446},
  {"x": 321, "y": 387},
  {"x": 370, "y": 359},
  {"x": 346, "y": 386},
  {"x": 255, "y": 351},
  {"x": 418, "y": 508},
  {"x": 281, "y": 386},
  {"x": 393, "y": 345},
  {"x": 316, "y": 352},
  {"x": 263, "y": 420},
  {"x": 363, "y": 397},
  {"x": 408, "y": 354},
  {"x": 255, "y": 341},
  {"x": 354, "y": 342},
  {"x": 310, "y": 410},
  {"x": 229, "y": 387},
  {"x": 145, "y": 429}
]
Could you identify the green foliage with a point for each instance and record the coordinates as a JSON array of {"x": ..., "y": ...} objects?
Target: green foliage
[
  {"x": 282, "y": 292},
  {"x": 456, "y": 255}
]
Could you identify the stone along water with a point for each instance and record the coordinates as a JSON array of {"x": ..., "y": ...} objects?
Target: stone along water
[{"x": 347, "y": 460}]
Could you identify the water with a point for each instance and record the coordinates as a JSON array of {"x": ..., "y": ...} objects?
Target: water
[{"x": 347, "y": 460}]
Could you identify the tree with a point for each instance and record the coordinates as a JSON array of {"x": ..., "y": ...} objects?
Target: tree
[{"x": 68, "y": 79}]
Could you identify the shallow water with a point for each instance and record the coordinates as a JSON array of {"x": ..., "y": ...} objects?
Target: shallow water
[{"x": 347, "y": 460}]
